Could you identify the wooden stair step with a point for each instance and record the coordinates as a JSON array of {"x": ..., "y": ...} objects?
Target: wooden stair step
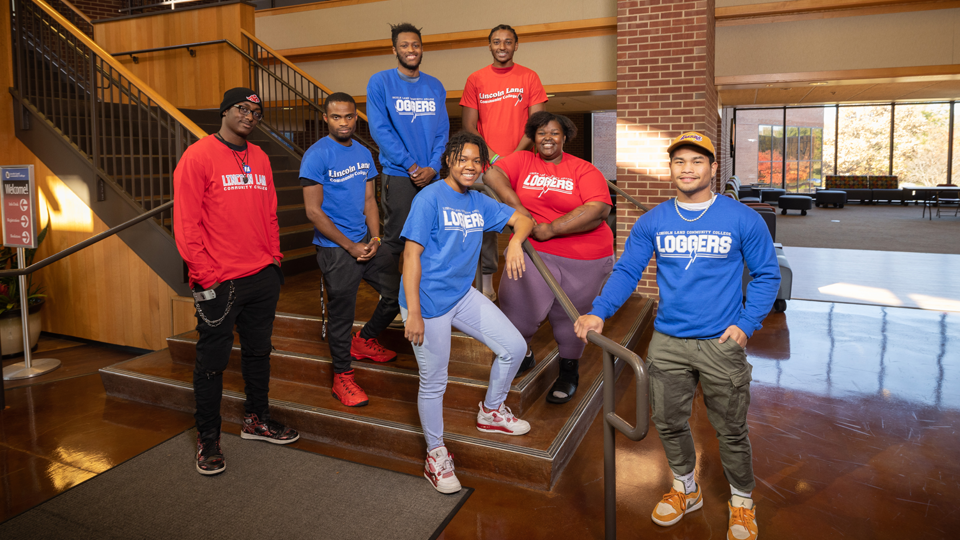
[{"x": 390, "y": 426}]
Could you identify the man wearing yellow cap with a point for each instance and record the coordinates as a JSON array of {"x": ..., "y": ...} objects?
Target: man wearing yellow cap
[{"x": 701, "y": 242}]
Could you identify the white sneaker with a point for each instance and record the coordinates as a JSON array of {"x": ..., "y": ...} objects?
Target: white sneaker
[
  {"x": 501, "y": 420},
  {"x": 438, "y": 469}
]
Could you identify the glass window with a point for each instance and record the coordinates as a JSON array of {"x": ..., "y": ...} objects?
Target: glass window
[
  {"x": 804, "y": 143},
  {"x": 920, "y": 138},
  {"x": 863, "y": 147},
  {"x": 791, "y": 144},
  {"x": 817, "y": 141},
  {"x": 829, "y": 138},
  {"x": 765, "y": 143},
  {"x": 759, "y": 140},
  {"x": 805, "y": 162}
]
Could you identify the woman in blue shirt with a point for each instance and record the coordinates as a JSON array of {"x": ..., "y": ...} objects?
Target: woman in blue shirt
[{"x": 443, "y": 234}]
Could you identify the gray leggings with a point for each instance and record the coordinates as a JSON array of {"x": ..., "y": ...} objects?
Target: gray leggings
[
  {"x": 480, "y": 319},
  {"x": 528, "y": 301}
]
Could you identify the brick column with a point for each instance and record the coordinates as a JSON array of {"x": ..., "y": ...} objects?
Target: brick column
[{"x": 665, "y": 86}]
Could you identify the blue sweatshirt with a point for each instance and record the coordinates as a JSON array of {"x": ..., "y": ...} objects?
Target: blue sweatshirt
[
  {"x": 699, "y": 269},
  {"x": 408, "y": 120}
]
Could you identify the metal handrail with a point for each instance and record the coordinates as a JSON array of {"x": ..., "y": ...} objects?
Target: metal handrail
[
  {"x": 279, "y": 58},
  {"x": 131, "y": 136},
  {"x": 623, "y": 194},
  {"x": 255, "y": 63},
  {"x": 188, "y": 46},
  {"x": 15, "y": 272},
  {"x": 612, "y": 422}
]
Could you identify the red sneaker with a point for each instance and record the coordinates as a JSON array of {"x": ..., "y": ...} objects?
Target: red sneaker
[
  {"x": 370, "y": 349},
  {"x": 348, "y": 391}
]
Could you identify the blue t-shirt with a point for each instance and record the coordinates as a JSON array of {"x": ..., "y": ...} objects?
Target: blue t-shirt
[
  {"x": 449, "y": 225},
  {"x": 699, "y": 269},
  {"x": 343, "y": 171},
  {"x": 408, "y": 120}
]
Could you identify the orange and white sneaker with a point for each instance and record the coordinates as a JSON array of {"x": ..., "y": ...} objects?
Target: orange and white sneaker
[
  {"x": 743, "y": 519},
  {"x": 676, "y": 504}
]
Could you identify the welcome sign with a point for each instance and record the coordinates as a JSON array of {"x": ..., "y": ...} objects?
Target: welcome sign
[{"x": 17, "y": 207}]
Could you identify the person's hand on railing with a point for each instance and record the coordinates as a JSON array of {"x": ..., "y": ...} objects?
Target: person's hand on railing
[{"x": 585, "y": 324}]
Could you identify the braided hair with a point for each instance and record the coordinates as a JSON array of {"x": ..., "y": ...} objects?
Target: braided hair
[{"x": 456, "y": 143}]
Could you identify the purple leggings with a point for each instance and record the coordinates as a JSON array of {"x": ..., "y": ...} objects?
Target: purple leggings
[{"x": 528, "y": 301}]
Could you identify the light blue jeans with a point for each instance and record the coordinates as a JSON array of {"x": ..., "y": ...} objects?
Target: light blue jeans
[{"x": 479, "y": 318}]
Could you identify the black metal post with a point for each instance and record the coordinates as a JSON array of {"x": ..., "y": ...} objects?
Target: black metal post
[
  {"x": 783, "y": 152},
  {"x": 950, "y": 147},
  {"x": 893, "y": 116}
]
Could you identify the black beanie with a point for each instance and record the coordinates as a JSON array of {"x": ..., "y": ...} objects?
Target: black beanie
[{"x": 236, "y": 95}]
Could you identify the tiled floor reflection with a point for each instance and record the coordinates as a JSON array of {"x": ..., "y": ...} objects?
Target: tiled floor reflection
[{"x": 851, "y": 350}]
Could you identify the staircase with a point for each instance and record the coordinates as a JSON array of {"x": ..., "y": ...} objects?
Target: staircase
[{"x": 301, "y": 375}]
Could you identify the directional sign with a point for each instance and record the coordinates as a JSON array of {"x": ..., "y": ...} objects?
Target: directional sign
[{"x": 17, "y": 206}]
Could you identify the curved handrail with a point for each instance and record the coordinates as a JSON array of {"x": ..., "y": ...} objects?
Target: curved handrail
[
  {"x": 88, "y": 242},
  {"x": 612, "y": 421},
  {"x": 634, "y": 433}
]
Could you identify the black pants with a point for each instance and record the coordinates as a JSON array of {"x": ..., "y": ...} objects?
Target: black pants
[
  {"x": 396, "y": 197},
  {"x": 342, "y": 274},
  {"x": 253, "y": 310}
]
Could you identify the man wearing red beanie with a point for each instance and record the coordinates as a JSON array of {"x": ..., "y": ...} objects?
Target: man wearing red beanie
[{"x": 225, "y": 224}]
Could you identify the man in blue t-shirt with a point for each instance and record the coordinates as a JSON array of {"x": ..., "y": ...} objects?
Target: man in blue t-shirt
[
  {"x": 701, "y": 242},
  {"x": 408, "y": 119},
  {"x": 337, "y": 176}
]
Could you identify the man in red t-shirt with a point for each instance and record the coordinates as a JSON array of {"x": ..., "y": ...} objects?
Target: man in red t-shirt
[
  {"x": 497, "y": 100},
  {"x": 225, "y": 224}
]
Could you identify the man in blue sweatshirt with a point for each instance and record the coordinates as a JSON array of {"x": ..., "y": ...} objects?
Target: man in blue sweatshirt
[
  {"x": 701, "y": 242},
  {"x": 408, "y": 120}
]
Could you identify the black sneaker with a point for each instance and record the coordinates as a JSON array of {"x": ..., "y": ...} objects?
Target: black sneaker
[
  {"x": 267, "y": 430},
  {"x": 209, "y": 456},
  {"x": 528, "y": 362}
]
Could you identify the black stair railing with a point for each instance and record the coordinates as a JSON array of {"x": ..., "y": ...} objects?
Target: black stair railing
[
  {"x": 293, "y": 101},
  {"x": 130, "y": 135}
]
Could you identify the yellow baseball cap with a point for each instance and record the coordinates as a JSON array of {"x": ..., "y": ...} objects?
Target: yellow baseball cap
[{"x": 695, "y": 139}]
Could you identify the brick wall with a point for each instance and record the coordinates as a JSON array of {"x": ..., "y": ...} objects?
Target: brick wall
[
  {"x": 665, "y": 86},
  {"x": 101, "y": 9}
]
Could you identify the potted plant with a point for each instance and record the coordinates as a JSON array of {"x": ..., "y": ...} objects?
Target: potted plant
[{"x": 11, "y": 326}]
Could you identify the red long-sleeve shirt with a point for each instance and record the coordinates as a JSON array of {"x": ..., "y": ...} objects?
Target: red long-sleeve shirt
[{"x": 225, "y": 228}]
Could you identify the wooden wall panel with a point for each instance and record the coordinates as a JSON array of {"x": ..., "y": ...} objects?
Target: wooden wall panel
[
  {"x": 185, "y": 81},
  {"x": 105, "y": 292}
]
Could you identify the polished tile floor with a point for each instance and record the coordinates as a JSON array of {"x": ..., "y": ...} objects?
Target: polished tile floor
[{"x": 854, "y": 418}]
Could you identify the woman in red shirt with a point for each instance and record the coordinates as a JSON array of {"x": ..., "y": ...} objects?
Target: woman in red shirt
[{"x": 569, "y": 200}]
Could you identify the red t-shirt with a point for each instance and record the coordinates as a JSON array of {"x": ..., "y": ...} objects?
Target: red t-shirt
[
  {"x": 503, "y": 97},
  {"x": 549, "y": 191},
  {"x": 225, "y": 228}
]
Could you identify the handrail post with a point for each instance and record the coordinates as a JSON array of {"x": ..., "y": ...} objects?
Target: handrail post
[{"x": 609, "y": 452}]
